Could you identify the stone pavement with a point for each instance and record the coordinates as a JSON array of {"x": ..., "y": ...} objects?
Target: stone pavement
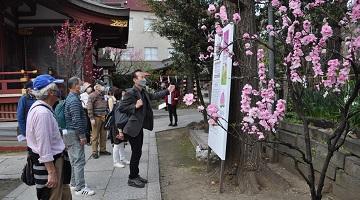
[{"x": 100, "y": 175}]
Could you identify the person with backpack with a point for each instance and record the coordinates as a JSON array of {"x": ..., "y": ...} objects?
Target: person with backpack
[
  {"x": 136, "y": 104},
  {"x": 45, "y": 145},
  {"x": 74, "y": 137},
  {"x": 119, "y": 140},
  {"x": 24, "y": 104}
]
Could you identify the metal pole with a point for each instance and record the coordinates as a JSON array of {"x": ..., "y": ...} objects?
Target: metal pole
[
  {"x": 208, "y": 160},
  {"x": 222, "y": 168},
  {"x": 274, "y": 154}
]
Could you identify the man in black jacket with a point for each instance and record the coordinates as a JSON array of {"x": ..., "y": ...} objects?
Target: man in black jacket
[{"x": 136, "y": 103}]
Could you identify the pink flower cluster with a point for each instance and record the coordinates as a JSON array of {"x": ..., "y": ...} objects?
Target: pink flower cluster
[
  {"x": 261, "y": 66},
  {"x": 189, "y": 99},
  {"x": 72, "y": 45},
  {"x": 336, "y": 76},
  {"x": 260, "y": 118},
  {"x": 306, "y": 46},
  {"x": 212, "y": 111}
]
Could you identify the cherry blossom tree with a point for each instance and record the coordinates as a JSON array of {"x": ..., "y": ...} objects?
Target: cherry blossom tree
[
  {"x": 311, "y": 59},
  {"x": 126, "y": 60},
  {"x": 72, "y": 47}
]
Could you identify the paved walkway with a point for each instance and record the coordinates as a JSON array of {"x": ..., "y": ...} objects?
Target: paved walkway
[{"x": 100, "y": 175}]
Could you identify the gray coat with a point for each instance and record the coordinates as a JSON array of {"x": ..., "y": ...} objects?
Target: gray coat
[{"x": 142, "y": 117}]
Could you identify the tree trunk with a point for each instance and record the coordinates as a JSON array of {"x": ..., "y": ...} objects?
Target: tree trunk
[{"x": 247, "y": 158}]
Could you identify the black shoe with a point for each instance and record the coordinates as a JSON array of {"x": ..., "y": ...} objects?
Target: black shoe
[
  {"x": 175, "y": 124},
  {"x": 136, "y": 183},
  {"x": 142, "y": 179},
  {"x": 170, "y": 124},
  {"x": 95, "y": 155},
  {"x": 106, "y": 153}
]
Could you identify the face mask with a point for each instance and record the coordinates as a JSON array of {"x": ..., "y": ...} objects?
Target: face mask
[
  {"x": 57, "y": 94},
  {"x": 143, "y": 82}
]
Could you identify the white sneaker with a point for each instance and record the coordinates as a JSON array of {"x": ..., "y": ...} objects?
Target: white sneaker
[
  {"x": 72, "y": 188},
  {"x": 85, "y": 192},
  {"x": 126, "y": 162},
  {"x": 119, "y": 165}
]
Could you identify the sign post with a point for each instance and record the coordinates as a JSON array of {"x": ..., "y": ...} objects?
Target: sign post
[{"x": 220, "y": 93}]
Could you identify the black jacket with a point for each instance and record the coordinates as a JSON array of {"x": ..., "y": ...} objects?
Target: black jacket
[{"x": 142, "y": 117}]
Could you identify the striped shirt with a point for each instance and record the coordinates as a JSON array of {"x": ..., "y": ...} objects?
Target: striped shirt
[
  {"x": 75, "y": 115},
  {"x": 42, "y": 132}
]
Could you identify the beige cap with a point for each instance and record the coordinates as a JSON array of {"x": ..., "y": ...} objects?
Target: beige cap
[{"x": 86, "y": 85}]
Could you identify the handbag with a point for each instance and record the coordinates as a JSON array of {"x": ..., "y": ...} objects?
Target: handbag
[
  {"x": 120, "y": 118},
  {"x": 66, "y": 168},
  {"x": 27, "y": 175}
]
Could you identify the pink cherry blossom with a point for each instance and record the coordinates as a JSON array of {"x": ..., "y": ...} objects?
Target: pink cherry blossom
[
  {"x": 355, "y": 11},
  {"x": 282, "y": 9},
  {"x": 212, "y": 109},
  {"x": 212, "y": 122},
  {"x": 307, "y": 26},
  {"x": 201, "y": 57},
  {"x": 326, "y": 31},
  {"x": 275, "y": 3},
  {"x": 236, "y": 17},
  {"x": 246, "y": 36},
  {"x": 189, "y": 99},
  {"x": 248, "y": 53},
  {"x": 218, "y": 29},
  {"x": 212, "y": 8},
  {"x": 210, "y": 49},
  {"x": 201, "y": 108},
  {"x": 223, "y": 14}
]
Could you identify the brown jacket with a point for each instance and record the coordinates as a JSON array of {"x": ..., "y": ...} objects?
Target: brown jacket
[{"x": 97, "y": 105}]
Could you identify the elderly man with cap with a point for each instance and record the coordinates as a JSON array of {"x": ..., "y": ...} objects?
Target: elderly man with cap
[
  {"x": 97, "y": 109},
  {"x": 23, "y": 107},
  {"x": 45, "y": 144}
]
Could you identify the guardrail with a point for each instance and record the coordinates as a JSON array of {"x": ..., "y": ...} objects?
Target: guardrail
[{"x": 10, "y": 96}]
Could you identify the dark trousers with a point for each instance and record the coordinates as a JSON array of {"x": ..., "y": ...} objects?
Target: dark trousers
[
  {"x": 172, "y": 112},
  {"x": 136, "y": 150}
]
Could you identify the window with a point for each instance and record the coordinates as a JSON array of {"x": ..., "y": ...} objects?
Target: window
[
  {"x": 151, "y": 53},
  {"x": 170, "y": 51},
  {"x": 131, "y": 23},
  {"x": 127, "y": 53},
  {"x": 148, "y": 24}
]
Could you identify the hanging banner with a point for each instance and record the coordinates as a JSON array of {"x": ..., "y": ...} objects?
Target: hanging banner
[{"x": 221, "y": 85}]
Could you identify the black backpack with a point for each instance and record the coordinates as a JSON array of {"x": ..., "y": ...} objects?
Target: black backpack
[{"x": 120, "y": 118}]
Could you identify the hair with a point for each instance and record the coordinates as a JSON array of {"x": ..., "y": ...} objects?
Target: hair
[
  {"x": 134, "y": 73},
  {"x": 73, "y": 81},
  {"x": 44, "y": 92},
  {"x": 118, "y": 93},
  {"x": 28, "y": 85}
]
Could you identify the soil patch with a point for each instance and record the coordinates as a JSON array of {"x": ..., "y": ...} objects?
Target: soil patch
[{"x": 182, "y": 177}]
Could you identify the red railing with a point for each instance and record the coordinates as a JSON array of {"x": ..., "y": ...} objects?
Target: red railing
[{"x": 10, "y": 96}]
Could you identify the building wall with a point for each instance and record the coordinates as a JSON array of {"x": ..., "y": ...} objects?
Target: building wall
[{"x": 139, "y": 38}]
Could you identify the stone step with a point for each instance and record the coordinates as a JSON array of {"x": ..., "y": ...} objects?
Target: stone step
[
  {"x": 199, "y": 138},
  {"x": 8, "y": 128}
]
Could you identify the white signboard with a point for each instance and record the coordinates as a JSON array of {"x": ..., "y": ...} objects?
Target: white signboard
[{"x": 221, "y": 84}]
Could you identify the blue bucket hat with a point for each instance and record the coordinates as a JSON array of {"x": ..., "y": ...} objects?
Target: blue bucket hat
[{"x": 44, "y": 80}]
